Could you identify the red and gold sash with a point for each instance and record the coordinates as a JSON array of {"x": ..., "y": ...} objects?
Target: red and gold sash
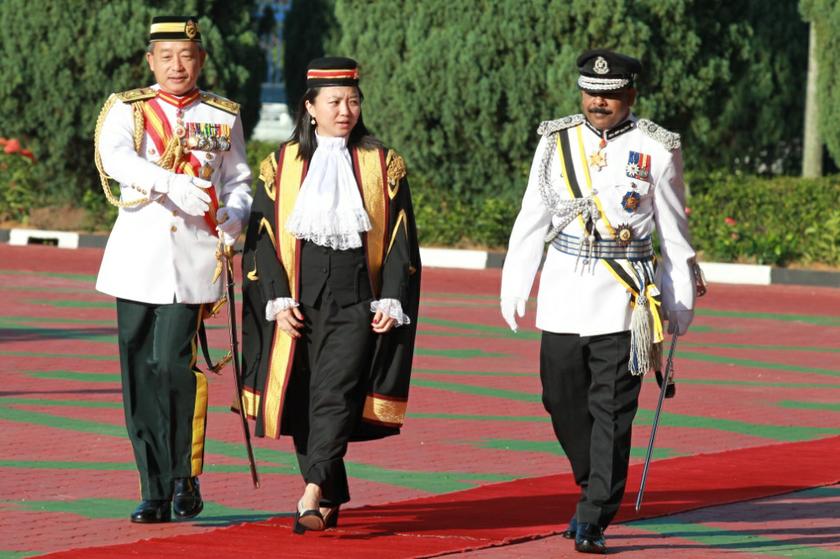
[{"x": 169, "y": 147}]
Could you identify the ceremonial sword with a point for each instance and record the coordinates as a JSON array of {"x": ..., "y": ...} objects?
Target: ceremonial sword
[
  {"x": 669, "y": 366},
  {"x": 227, "y": 253}
]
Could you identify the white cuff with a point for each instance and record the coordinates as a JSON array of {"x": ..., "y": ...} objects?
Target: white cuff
[
  {"x": 391, "y": 308},
  {"x": 276, "y": 306}
]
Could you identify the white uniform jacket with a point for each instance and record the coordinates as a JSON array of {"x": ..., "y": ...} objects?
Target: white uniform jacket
[
  {"x": 588, "y": 300},
  {"x": 156, "y": 253}
]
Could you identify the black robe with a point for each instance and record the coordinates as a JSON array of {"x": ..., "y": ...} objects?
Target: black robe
[{"x": 271, "y": 269}]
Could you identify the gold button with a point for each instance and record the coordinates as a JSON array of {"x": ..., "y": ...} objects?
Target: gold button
[
  {"x": 173, "y": 228},
  {"x": 174, "y": 212}
]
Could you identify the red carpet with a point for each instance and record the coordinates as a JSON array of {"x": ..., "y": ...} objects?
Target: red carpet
[{"x": 502, "y": 513}]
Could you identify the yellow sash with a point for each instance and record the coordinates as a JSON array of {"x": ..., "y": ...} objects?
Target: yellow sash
[{"x": 621, "y": 270}]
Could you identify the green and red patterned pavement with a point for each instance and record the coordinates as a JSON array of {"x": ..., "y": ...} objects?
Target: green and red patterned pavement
[{"x": 761, "y": 366}]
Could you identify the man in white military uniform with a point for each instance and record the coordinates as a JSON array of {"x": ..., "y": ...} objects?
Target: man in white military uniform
[
  {"x": 601, "y": 183},
  {"x": 176, "y": 152}
]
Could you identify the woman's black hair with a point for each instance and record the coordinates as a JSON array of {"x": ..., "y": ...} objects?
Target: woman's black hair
[{"x": 304, "y": 133}]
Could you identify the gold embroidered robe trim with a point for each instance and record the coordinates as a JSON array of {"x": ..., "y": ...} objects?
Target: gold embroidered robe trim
[
  {"x": 385, "y": 410},
  {"x": 268, "y": 170},
  {"x": 290, "y": 172},
  {"x": 371, "y": 176}
]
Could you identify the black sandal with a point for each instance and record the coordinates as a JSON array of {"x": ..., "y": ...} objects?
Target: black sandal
[
  {"x": 331, "y": 517},
  {"x": 309, "y": 519}
]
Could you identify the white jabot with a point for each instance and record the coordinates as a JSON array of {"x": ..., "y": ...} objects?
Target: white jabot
[{"x": 329, "y": 210}]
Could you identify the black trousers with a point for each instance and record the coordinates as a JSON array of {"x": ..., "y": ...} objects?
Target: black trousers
[
  {"x": 327, "y": 390},
  {"x": 164, "y": 395},
  {"x": 592, "y": 399}
]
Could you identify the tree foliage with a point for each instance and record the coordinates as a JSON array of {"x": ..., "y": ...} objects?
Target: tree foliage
[
  {"x": 460, "y": 87},
  {"x": 62, "y": 58},
  {"x": 825, "y": 16},
  {"x": 306, "y": 29}
]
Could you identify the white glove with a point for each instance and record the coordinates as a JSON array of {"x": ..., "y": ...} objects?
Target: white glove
[
  {"x": 679, "y": 321},
  {"x": 511, "y": 305},
  {"x": 229, "y": 224},
  {"x": 186, "y": 192}
]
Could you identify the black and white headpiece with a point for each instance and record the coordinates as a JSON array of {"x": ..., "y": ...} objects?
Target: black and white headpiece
[{"x": 605, "y": 70}]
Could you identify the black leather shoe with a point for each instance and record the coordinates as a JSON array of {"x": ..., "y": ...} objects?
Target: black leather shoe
[
  {"x": 571, "y": 532},
  {"x": 671, "y": 389},
  {"x": 152, "y": 512},
  {"x": 186, "y": 500},
  {"x": 590, "y": 539}
]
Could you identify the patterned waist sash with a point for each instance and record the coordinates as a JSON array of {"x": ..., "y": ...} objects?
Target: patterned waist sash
[{"x": 636, "y": 251}]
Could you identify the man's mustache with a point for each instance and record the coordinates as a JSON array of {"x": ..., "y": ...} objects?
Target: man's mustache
[{"x": 600, "y": 110}]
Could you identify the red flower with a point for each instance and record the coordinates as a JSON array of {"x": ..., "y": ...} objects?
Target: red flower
[
  {"x": 730, "y": 222},
  {"x": 28, "y": 153},
  {"x": 12, "y": 146}
]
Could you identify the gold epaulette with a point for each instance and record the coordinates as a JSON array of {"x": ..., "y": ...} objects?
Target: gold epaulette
[
  {"x": 220, "y": 102},
  {"x": 134, "y": 95},
  {"x": 396, "y": 167}
]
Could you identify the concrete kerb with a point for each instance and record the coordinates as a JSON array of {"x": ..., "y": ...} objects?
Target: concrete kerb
[{"x": 715, "y": 272}]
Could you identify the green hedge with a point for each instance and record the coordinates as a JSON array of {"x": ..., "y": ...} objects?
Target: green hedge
[
  {"x": 17, "y": 174},
  {"x": 258, "y": 150},
  {"x": 445, "y": 219},
  {"x": 766, "y": 221},
  {"x": 775, "y": 221},
  {"x": 18, "y": 195}
]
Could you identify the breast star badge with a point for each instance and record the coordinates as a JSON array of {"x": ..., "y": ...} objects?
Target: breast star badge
[
  {"x": 623, "y": 235},
  {"x": 598, "y": 160}
]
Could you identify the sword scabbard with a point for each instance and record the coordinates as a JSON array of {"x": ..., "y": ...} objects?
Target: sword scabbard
[{"x": 669, "y": 368}]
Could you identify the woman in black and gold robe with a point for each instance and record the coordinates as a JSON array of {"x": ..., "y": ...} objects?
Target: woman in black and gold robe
[{"x": 331, "y": 282}]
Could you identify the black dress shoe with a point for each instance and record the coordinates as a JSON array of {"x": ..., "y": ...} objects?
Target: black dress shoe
[
  {"x": 570, "y": 532},
  {"x": 152, "y": 512},
  {"x": 186, "y": 499},
  {"x": 590, "y": 539},
  {"x": 671, "y": 389}
]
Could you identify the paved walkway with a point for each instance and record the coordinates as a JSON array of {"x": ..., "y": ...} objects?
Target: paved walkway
[{"x": 761, "y": 365}]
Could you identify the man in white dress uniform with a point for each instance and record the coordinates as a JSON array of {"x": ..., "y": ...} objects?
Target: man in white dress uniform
[
  {"x": 601, "y": 183},
  {"x": 177, "y": 153}
]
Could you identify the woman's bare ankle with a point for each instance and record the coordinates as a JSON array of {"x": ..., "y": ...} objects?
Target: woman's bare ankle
[{"x": 311, "y": 497}]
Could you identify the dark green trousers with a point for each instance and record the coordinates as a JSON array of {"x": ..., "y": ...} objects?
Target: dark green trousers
[{"x": 164, "y": 395}]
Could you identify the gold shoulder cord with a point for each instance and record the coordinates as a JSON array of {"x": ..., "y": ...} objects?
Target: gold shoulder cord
[{"x": 138, "y": 139}]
